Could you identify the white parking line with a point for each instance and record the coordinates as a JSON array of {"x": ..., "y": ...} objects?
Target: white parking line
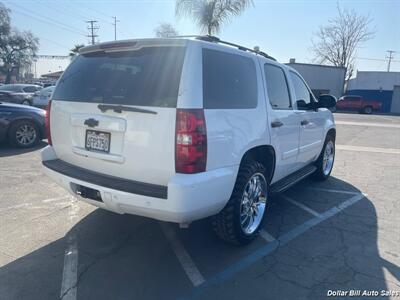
[
  {"x": 266, "y": 236},
  {"x": 368, "y": 149},
  {"x": 332, "y": 190},
  {"x": 70, "y": 270},
  {"x": 367, "y": 124},
  {"x": 301, "y": 205},
  {"x": 183, "y": 256}
]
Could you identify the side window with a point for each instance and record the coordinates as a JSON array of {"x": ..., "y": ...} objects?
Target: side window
[
  {"x": 304, "y": 97},
  {"x": 277, "y": 88},
  {"x": 229, "y": 80},
  {"x": 29, "y": 89}
]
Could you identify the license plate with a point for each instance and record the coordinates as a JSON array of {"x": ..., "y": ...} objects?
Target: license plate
[{"x": 98, "y": 141}]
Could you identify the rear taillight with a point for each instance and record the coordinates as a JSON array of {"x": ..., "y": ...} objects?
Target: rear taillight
[
  {"x": 190, "y": 141},
  {"x": 48, "y": 133}
]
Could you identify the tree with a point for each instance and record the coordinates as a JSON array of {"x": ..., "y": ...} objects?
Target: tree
[
  {"x": 165, "y": 30},
  {"x": 17, "y": 48},
  {"x": 211, "y": 14},
  {"x": 74, "y": 51},
  {"x": 336, "y": 43}
]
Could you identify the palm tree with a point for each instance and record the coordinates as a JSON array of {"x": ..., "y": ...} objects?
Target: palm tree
[
  {"x": 74, "y": 51},
  {"x": 211, "y": 14}
]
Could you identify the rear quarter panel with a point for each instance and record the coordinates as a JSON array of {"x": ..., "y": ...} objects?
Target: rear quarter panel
[{"x": 232, "y": 132}]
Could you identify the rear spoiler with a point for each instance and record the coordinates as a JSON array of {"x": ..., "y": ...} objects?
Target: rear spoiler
[{"x": 134, "y": 44}]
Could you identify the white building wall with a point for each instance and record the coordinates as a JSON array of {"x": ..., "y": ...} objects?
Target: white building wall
[
  {"x": 374, "y": 81},
  {"x": 320, "y": 77}
]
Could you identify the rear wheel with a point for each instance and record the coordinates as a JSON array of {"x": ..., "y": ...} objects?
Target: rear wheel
[
  {"x": 241, "y": 219},
  {"x": 367, "y": 110},
  {"x": 24, "y": 134},
  {"x": 326, "y": 159}
]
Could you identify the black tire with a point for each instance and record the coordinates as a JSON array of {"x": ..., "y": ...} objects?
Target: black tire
[
  {"x": 226, "y": 223},
  {"x": 16, "y": 126},
  {"x": 368, "y": 110},
  {"x": 319, "y": 174}
]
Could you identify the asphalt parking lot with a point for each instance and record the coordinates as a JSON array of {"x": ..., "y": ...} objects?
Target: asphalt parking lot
[{"x": 319, "y": 237}]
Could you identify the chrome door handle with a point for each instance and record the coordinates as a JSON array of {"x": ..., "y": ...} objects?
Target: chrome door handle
[
  {"x": 304, "y": 122},
  {"x": 276, "y": 124}
]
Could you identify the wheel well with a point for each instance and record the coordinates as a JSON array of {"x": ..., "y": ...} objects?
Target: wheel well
[
  {"x": 265, "y": 155},
  {"x": 331, "y": 132}
]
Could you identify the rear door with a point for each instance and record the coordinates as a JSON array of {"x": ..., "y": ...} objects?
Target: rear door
[{"x": 114, "y": 112}]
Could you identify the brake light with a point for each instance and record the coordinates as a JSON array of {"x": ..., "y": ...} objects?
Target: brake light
[
  {"x": 48, "y": 133},
  {"x": 190, "y": 141}
]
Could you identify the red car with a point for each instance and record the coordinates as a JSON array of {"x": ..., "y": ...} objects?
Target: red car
[{"x": 358, "y": 103}]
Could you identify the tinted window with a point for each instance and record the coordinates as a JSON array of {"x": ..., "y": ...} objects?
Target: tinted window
[
  {"x": 146, "y": 77},
  {"x": 29, "y": 89},
  {"x": 303, "y": 94},
  {"x": 277, "y": 88},
  {"x": 229, "y": 80}
]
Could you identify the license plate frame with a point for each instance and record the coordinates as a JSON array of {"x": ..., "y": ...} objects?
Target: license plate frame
[{"x": 88, "y": 146}]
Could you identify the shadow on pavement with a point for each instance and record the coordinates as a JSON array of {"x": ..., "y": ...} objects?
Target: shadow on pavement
[
  {"x": 122, "y": 256},
  {"x": 8, "y": 150}
]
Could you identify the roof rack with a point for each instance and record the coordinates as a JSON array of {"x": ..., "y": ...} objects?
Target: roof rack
[{"x": 214, "y": 39}]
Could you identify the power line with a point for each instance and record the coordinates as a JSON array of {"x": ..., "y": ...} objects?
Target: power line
[
  {"x": 390, "y": 58},
  {"x": 115, "y": 27},
  {"x": 93, "y": 29},
  {"x": 45, "y": 19}
]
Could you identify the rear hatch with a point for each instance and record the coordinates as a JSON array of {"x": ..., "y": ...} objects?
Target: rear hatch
[{"x": 113, "y": 110}]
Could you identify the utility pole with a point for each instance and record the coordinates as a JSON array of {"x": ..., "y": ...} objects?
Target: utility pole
[
  {"x": 93, "y": 29},
  {"x": 115, "y": 27},
  {"x": 390, "y": 57}
]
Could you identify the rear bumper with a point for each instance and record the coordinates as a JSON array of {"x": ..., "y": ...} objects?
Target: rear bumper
[{"x": 186, "y": 197}]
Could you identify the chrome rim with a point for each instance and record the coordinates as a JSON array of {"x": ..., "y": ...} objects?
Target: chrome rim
[
  {"x": 329, "y": 155},
  {"x": 253, "y": 203},
  {"x": 368, "y": 110},
  {"x": 26, "y": 102},
  {"x": 26, "y": 134}
]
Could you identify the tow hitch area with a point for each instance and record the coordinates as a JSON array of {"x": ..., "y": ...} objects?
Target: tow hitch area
[{"x": 86, "y": 192}]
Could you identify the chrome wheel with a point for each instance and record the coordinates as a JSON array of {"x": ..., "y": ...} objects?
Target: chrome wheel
[
  {"x": 25, "y": 134},
  {"x": 26, "y": 102},
  {"x": 329, "y": 156},
  {"x": 253, "y": 203}
]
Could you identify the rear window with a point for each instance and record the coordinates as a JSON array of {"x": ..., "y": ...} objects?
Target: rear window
[
  {"x": 146, "y": 77},
  {"x": 229, "y": 80}
]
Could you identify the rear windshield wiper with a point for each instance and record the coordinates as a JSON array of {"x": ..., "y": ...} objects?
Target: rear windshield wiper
[{"x": 120, "y": 108}]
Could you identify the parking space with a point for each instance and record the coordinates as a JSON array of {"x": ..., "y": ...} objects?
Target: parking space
[{"x": 341, "y": 234}]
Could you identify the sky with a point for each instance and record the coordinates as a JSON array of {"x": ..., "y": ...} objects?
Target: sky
[{"x": 283, "y": 29}]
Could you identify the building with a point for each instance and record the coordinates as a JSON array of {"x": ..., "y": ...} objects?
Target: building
[
  {"x": 322, "y": 79},
  {"x": 380, "y": 86},
  {"x": 53, "y": 76}
]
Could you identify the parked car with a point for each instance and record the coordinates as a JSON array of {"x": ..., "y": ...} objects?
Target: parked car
[
  {"x": 21, "y": 125},
  {"x": 41, "y": 98},
  {"x": 183, "y": 129},
  {"x": 358, "y": 103},
  {"x": 18, "y": 93}
]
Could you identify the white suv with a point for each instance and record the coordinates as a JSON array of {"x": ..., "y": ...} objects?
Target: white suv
[{"x": 185, "y": 128}]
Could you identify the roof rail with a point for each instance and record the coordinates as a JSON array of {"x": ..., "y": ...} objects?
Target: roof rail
[{"x": 214, "y": 39}]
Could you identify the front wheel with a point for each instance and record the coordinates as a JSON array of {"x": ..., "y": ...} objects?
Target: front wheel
[
  {"x": 326, "y": 159},
  {"x": 241, "y": 219}
]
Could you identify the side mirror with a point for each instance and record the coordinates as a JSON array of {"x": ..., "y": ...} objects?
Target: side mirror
[{"x": 326, "y": 101}]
